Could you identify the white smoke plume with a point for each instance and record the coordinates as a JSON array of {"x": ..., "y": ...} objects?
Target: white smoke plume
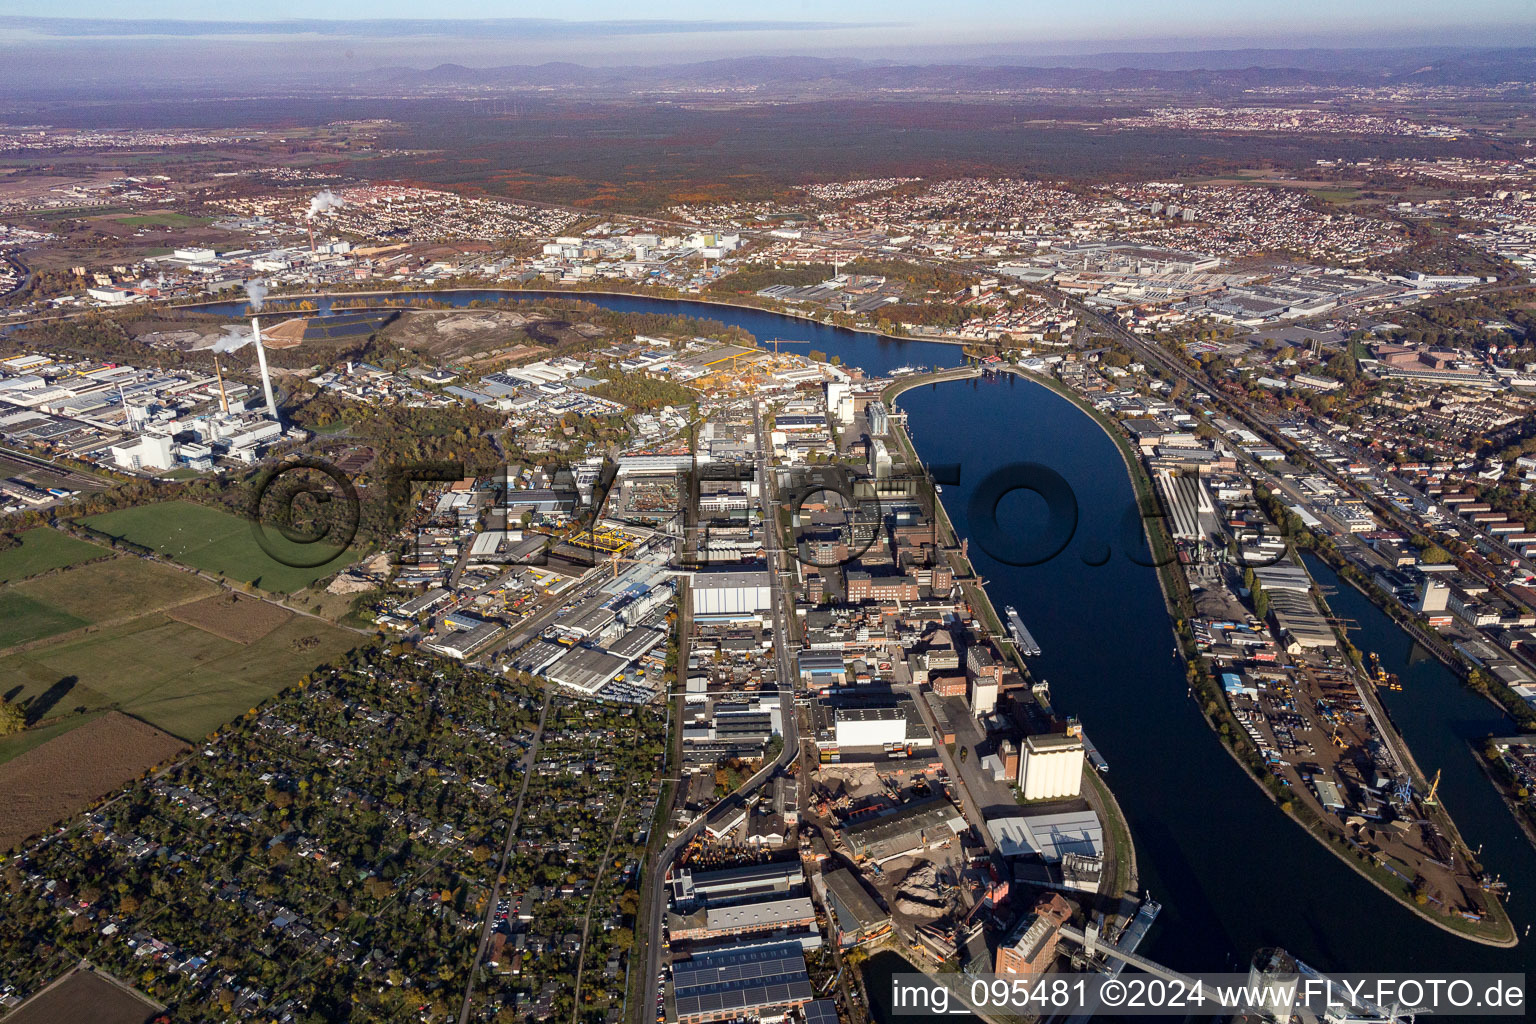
[
  {"x": 326, "y": 200},
  {"x": 233, "y": 338},
  {"x": 256, "y": 292}
]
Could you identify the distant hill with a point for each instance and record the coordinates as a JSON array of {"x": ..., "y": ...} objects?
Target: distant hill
[{"x": 1195, "y": 70}]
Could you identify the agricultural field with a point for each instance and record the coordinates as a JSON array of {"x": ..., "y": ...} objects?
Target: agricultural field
[
  {"x": 215, "y": 541},
  {"x": 134, "y": 635},
  {"x": 174, "y": 675},
  {"x": 42, "y": 550},
  {"x": 23, "y": 619},
  {"x": 86, "y": 994},
  {"x": 163, "y": 219},
  {"x": 63, "y": 776},
  {"x": 113, "y": 589},
  {"x": 235, "y": 617}
]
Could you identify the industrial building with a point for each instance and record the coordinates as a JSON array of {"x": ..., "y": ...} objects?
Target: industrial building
[
  {"x": 789, "y": 914},
  {"x": 728, "y": 885},
  {"x": 894, "y": 726},
  {"x": 908, "y": 829},
  {"x": 466, "y": 643},
  {"x": 741, "y": 983},
  {"x": 1051, "y": 766},
  {"x": 1050, "y": 837},
  {"x": 821, "y": 670},
  {"x": 854, "y": 914},
  {"x": 586, "y": 669},
  {"x": 737, "y": 594},
  {"x": 1030, "y": 947}
]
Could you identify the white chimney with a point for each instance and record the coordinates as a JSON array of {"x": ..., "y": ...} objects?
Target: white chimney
[{"x": 261, "y": 360}]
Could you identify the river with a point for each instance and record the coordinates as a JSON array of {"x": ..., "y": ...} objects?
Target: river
[{"x": 1232, "y": 872}]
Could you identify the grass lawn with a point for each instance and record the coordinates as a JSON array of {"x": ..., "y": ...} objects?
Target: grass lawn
[
  {"x": 167, "y": 219},
  {"x": 171, "y": 674},
  {"x": 114, "y": 589},
  {"x": 43, "y": 549},
  {"x": 22, "y": 618},
  {"x": 215, "y": 541}
]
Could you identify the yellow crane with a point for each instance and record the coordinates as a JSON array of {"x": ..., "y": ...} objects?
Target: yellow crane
[{"x": 1434, "y": 787}]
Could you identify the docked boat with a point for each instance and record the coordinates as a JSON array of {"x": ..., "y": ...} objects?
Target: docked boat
[{"x": 1021, "y": 634}]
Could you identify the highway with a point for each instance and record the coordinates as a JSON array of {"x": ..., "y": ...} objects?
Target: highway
[{"x": 784, "y": 658}]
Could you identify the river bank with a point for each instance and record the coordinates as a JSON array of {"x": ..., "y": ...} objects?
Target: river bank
[
  {"x": 1178, "y": 603},
  {"x": 273, "y": 302}
]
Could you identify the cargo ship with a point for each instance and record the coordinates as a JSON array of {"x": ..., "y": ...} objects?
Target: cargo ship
[{"x": 1021, "y": 635}]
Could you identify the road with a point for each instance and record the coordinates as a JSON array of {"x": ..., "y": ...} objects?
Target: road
[
  {"x": 489, "y": 924},
  {"x": 784, "y": 659}
]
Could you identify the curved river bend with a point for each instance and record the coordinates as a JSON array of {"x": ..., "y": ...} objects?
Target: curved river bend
[{"x": 1232, "y": 872}]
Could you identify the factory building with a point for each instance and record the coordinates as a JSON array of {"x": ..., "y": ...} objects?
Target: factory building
[
  {"x": 879, "y": 460},
  {"x": 742, "y": 983},
  {"x": 839, "y": 402},
  {"x": 731, "y": 594},
  {"x": 1030, "y": 947},
  {"x": 734, "y": 885},
  {"x": 150, "y": 451},
  {"x": 820, "y": 670},
  {"x": 791, "y": 913},
  {"x": 1051, "y": 766},
  {"x": 870, "y": 727},
  {"x": 879, "y": 418},
  {"x": 909, "y": 829},
  {"x": 854, "y": 914}
]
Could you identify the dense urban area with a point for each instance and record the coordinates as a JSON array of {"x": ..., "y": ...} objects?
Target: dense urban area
[{"x": 420, "y": 601}]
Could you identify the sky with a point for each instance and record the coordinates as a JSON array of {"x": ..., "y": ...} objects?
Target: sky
[
  {"x": 97, "y": 47},
  {"x": 650, "y": 32}
]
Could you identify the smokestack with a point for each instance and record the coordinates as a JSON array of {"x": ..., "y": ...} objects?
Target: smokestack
[
  {"x": 311, "y": 236},
  {"x": 261, "y": 360},
  {"x": 223, "y": 398}
]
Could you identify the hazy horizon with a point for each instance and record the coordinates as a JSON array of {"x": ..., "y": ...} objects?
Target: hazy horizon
[{"x": 74, "y": 36}]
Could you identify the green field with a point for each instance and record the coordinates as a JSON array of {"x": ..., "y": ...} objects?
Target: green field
[
  {"x": 166, "y": 220},
  {"x": 214, "y": 541},
  {"x": 43, "y": 549},
  {"x": 22, "y": 619},
  {"x": 184, "y": 679},
  {"x": 118, "y": 588},
  {"x": 173, "y": 675}
]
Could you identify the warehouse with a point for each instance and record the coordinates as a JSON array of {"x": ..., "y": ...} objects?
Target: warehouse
[
  {"x": 731, "y": 594},
  {"x": 1297, "y": 617},
  {"x": 585, "y": 669},
  {"x": 855, "y": 914},
  {"x": 793, "y": 912},
  {"x": 732, "y": 984},
  {"x": 821, "y": 670},
  {"x": 1049, "y": 836},
  {"x": 465, "y": 643},
  {"x": 909, "y": 829},
  {"x": 726, "y": 884},
  {"x": 870, "y": 727}
]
